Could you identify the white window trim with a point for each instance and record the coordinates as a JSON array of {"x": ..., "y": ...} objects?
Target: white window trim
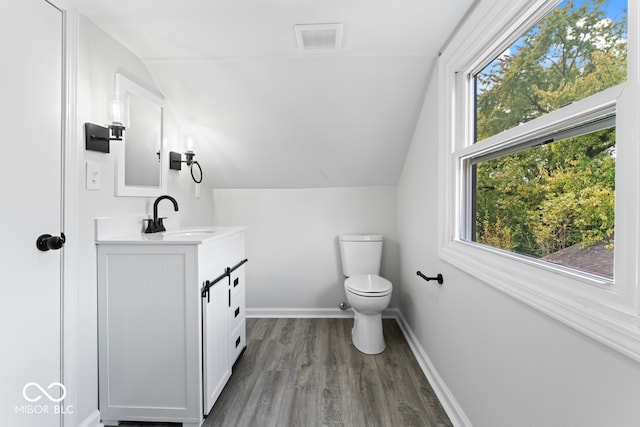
[{"x": 606, "y": 312}]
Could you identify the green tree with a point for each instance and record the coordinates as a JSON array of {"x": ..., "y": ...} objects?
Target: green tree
[{"x": 538, "y": 201}]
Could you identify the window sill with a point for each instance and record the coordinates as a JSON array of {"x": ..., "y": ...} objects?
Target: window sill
[{"x": 584, "y": 304}]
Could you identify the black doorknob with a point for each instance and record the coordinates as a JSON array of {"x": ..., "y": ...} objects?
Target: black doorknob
[{"x": 46, "y": 242}]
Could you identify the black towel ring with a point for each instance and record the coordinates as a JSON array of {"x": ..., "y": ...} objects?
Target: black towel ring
[{"x": 192, "y": 176}]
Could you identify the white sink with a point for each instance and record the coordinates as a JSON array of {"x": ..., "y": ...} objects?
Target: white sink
[{"x": 189, "y": 232}]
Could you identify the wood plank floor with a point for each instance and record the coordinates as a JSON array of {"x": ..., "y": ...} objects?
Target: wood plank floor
[{"x": 306, "y": 372}]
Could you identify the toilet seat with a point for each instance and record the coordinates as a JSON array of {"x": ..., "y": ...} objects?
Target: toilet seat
[{"x": 368, "y": 285}]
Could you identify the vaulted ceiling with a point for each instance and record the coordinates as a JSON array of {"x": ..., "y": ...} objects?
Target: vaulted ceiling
[{"x": 266, "y": 114}]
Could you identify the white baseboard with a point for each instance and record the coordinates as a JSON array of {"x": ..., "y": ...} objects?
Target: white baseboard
[
  {"x": 309, "y": 313},
  {"x": 93, "y": 420},
  {"x": 448, "y": 401}
]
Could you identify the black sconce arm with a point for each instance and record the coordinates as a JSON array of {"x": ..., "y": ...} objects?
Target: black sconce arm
[{"x": 97, "y": 137}]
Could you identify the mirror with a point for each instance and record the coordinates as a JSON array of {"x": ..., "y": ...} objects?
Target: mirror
[{"x": 140, "y": 164}]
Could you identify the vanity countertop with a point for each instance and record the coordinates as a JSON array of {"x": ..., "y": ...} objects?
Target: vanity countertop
[{"x": 183, "y": 236}]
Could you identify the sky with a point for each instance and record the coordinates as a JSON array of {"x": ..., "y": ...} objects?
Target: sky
[
  {"x": 612, "y": 7},
  {"x": 616, "y": 5}
]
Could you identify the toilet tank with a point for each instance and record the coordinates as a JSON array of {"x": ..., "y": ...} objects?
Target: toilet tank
[{"x": 360, "y": 253}]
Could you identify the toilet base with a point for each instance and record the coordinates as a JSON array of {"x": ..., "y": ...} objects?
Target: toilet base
[{"x": 366, "y": 334}]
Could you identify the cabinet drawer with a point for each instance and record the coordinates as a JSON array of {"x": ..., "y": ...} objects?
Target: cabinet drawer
[
  {"x": 237, "y": 281},
  {"x": 236, "y": 311},
  {"x": 238, "y": 341}
]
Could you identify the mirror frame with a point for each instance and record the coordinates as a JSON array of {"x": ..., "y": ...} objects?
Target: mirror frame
[{"x": 125, "y": 86}]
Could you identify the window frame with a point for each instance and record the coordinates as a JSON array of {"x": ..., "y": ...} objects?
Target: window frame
[{"x": 608, "y": 311}]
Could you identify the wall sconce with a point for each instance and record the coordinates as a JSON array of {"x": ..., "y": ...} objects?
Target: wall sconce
[
  {"x": 175, "y": 163},
  {"x": 97, "y": 137}
]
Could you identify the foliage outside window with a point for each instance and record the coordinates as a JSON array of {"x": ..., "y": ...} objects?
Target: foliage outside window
[{"x": 552, "y": 200}]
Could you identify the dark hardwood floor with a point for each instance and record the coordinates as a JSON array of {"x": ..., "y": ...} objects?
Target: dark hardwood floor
[{"x": 306, "y": 372}]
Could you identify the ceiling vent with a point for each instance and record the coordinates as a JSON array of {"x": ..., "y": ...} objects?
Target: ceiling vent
[{"x": 318, "y": 36}]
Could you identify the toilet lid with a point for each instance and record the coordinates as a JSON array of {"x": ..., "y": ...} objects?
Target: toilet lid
[{"x": 368, "y": 284}]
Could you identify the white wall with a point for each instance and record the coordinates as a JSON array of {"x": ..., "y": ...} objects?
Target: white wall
[
  {"x": 292, "y": 246},
  {"x": 99, "y": 58},
  {"x": 505, "y": 363},
  {"x": 300, "y": 121}
]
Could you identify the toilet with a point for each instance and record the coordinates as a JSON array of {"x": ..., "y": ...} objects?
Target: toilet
[{"x": 367, "y": 292}]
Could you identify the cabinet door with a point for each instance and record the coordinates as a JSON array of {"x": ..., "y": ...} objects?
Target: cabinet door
[
  {"x": 148, "y": 307},
  {"x": 214, "y": 335}
]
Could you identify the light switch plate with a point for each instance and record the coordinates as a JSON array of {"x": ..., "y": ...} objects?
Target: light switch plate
[{"x": 94, "y": 176}]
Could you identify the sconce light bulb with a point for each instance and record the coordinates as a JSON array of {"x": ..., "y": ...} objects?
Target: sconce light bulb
[
  {"x": 190, "y": 144},
  {"x": 116, "y": 112}
]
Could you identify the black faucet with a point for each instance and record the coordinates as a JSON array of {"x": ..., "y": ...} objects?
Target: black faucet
[{"x": 155, "y": 224}]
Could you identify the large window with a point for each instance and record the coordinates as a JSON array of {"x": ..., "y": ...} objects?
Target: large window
[
  {"x": 553, "y": 202},
  {"x": 578, "y": 49},
  {"x": 551, "y": 198},
  {"x": 540, "y": 117}
]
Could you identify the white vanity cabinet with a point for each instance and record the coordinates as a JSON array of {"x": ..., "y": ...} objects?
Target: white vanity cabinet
[{"x": 166, "y": 348}]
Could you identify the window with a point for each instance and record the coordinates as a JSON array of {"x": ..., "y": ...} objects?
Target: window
[
  {"x": 553, "y": 201},
  {"x": 539, "y": 154},
  {"x": 578, "y": 49},
  {"x": 551, "y": 198}
]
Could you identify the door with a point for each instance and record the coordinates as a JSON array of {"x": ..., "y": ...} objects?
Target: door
[
  {"x": 31, "y": 44},
  {"x": 216, "y": 369}
]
